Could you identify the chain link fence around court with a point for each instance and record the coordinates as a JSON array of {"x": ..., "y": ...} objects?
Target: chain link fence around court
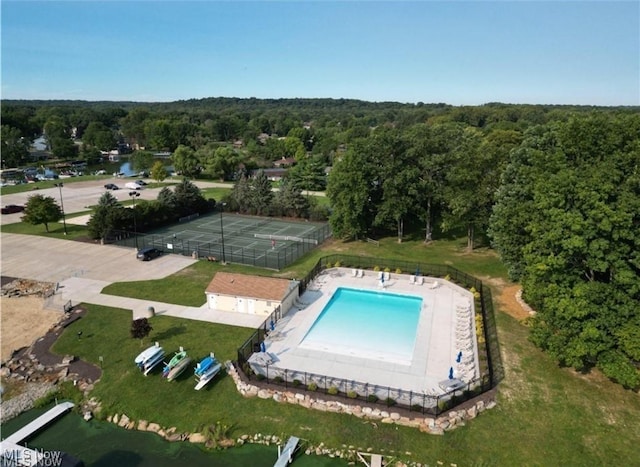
[{"x": 261, "y": 242}]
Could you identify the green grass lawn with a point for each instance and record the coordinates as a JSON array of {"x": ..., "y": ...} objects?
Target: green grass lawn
[
  {"x": 545, "y": 415},
  {"x": 56, "y": 230}
]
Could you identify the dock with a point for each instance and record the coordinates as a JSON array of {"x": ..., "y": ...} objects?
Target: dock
[
  {"x": 286, "y": 456},
  {"x": 39, "y": 423},
  {"x": 13, "y": 454}
]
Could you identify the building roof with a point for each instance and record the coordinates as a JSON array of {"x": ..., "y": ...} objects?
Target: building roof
[{"x": 243, "y": 285}]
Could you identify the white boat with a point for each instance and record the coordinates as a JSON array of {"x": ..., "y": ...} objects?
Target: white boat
[
  {"x": 206, "y": 370},
  {"x": 148, "y": 354},
  {"x": 152, "y": 363}
]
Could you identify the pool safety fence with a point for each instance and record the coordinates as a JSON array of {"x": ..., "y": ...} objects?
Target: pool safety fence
[
  {"x": 491, "y": 369},
  {"x": 364, "y": 393},
  {"x": 259, "y": 253}
]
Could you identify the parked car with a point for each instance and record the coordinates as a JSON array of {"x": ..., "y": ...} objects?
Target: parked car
[
  {"x": 12, "y": 208},
  {"x": 132, "y": 186},
  {"x": 111, "y": 186},
  {"x": 141, "y": 182},
  {"x": 148, "y": 253}
]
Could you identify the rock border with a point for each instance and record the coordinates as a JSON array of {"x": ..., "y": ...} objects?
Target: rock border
[{"x": 426, "y": 424}]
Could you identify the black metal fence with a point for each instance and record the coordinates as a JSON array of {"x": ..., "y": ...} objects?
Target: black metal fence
[
  {"x": 266, "y": 257},
  {"x": 351, "y": 390}
]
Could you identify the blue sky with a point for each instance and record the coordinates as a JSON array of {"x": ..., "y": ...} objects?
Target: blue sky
[{"x": 460, "y": 53}]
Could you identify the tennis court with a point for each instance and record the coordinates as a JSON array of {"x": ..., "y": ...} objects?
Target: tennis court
[{"x": 257, "y": 241}]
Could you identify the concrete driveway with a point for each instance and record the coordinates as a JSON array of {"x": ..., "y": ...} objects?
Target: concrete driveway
[{"x": 53, "y": 260}]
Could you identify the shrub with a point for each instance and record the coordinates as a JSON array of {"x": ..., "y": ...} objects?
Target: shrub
[
  {"x": 387, "y": 270},
  {"x": 328, "y": 265},
  {"x": 352, "y": 394},
  {"x": 416, "y": 408},
  {"x": 376, "y": 268},
  {"x": 390, "y": 401},
  {"x": 278, "y": 379},
  {"x": 398, "y": 271},
  {"x": 332, "y": 390},
  {"x": 296, "y": 382},
  {"x": 312, "y": 387},
  {"x": 338, "y": 264},
  {"x": 260, "y": 376},
  {"x": 447, "y": 278},
  {"x": 372, "y": 398}
]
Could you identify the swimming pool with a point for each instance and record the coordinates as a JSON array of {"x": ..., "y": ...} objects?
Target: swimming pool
[{"x": 367, "y": 324}]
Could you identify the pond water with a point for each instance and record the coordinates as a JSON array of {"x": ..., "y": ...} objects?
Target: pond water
[{"x": 99, "y": 443}]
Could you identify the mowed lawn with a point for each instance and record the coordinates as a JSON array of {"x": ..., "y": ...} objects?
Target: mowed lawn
[{"x": 545, "y": 415}]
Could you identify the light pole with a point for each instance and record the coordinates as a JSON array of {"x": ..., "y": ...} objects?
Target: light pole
[
  {"x": 134, "y": 195},
  {"x": 64, "y": 222},
  {"x": 224, "y": 259}
]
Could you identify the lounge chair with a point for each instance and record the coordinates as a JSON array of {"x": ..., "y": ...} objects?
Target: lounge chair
[
  {"x": 361, "y": 273},
  {"x": 412, "y": 280},
  {"x": 354, "y": 272},
  {"x": 380, "y": 275},
  {"x": 435, "y": 285},
  {"x": 420, "y": 280},
  {"x": 386, "y": 276}
]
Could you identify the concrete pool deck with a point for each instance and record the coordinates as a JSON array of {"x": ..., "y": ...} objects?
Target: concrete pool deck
[{"x": 435, "y": 351}]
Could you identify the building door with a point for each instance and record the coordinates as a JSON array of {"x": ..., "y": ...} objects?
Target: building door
[
  {"x": 240, "y": 305},
  {"x": 213, "y": 302},
  {"x": 252, "y": 306}
]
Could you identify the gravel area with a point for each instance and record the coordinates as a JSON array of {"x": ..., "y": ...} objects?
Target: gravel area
[{"x": 24, "y": 401}]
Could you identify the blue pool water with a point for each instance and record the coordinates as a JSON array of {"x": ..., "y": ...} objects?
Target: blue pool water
[{"x": 367, "y": 324}]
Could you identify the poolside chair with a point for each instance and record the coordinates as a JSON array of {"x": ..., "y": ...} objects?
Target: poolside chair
[
  {"x": 412, "y": 280},
  {"x": 435, "y": 285},
  {"x": 420, "y": 280},
  {"x": 386, "y": 276},
  {"x": 361, "y": 273},
  {"x": 380, "y": 275},
  {"x": 355, "y": 272}
]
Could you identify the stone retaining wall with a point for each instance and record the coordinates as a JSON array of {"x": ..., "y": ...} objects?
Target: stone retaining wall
[{"x": 436, "y": 426}]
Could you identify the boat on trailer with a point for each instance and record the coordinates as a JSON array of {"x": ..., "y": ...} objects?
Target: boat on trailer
[{"x": 206, "y": 370}]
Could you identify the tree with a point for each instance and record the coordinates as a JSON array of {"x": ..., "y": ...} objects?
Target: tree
[
  {"x": 189, "y": 199},
  {"x": 221, "y": 162},
  {"x": 140, "y": 328},
  {"x": 573, "y": 190},
  {"x": 15, "y": 148},
  {"x": 185, "y": 161},
  {"x": 261, "y": 193},
  {"x": 289, "y": 200},
  {"x": 352, "y": 188},
  {"x": 241, "y": 195},
  {"x": 308, "y": 174},
  {"x": 141, "y": 161},
  {"x": 108, "y": 215},
  {"x": 100, "y": 136},
  {"x": 399, "y": 181},
  {"x": 41, "y": 209},
  {"x": 158, "y": 172}
]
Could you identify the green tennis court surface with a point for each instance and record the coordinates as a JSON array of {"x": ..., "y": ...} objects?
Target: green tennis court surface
[{"x": 257, "y": 241}]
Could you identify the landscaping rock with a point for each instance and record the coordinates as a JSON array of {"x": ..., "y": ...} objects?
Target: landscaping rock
[
  {"x": 196, "y": 438},
  {"x": 124, "y": 421},
  {"x": 142, "y": 425},
  {"x": 153, "y": 427}
]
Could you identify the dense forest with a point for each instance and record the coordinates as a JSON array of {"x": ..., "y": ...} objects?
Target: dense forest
[{"x": 554, "y": 189}]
